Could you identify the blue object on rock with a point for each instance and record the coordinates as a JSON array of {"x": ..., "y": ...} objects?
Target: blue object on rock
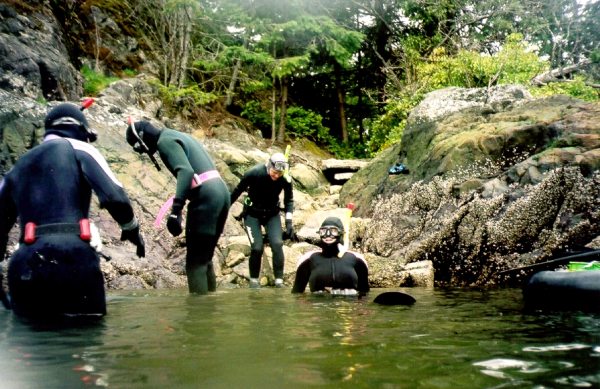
[{"x": 398, "y": 168}]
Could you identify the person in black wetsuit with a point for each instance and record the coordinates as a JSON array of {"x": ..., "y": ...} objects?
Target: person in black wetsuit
[
  {"x": 55, "y": 272},
  {"x": 197, "y": 181},
  {"x": 264, "y": 183},
  {"x": 332, "y": 269}
]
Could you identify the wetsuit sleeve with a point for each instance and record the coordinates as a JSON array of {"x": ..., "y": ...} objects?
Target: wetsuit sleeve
[
  {"x": 362, "y": 271},
  {"x": 173, "y": 155},
  {"x": 302, "y": 274},
  {"x": 103, "y": 182},
  {"x": 8, "y": 216},
  {"x": 288, "y": 198},
  {"x": 241, "y": 187}
]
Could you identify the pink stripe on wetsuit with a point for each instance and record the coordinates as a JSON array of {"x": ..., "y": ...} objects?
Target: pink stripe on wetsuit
[{"x": 197, "y": 180}]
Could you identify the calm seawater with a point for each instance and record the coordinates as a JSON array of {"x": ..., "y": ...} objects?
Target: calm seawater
[{"x": 269, "y": 338}]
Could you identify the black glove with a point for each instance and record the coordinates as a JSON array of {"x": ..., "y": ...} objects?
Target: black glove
[
  {"x": 174, "y": 224},
  {"x": 136, "y": 238},
  {"x": 174, "y": 221},
  {"x": 289, "y": 229}
]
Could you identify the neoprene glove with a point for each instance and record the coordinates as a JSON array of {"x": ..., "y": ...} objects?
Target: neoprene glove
[
  {"x": 174, "y": 221},
  {"x": 135, "y": 237},
  {"x": 289, "y": 229}
]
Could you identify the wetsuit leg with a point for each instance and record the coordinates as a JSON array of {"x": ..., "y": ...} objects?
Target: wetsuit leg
[
  {"x": 198, "y": 265},
  {"x": 205, "y": 222},
  {"x": 253, "y": 229},
  {"x": 222, "y": 218},
  {"x": 56, "y": 276},
  {"x": 211, "y": 278},
  {"x": 197, "y": 276},
  {"x": 274, "y": 231}
]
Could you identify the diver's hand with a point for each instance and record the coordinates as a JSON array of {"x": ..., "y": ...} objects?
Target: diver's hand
[
  {"x": 174, "y": 221},
  {"x": 289, "y": 230},
  {"x": 134, "y": 236},
  {"x": 174, "y": 224}
]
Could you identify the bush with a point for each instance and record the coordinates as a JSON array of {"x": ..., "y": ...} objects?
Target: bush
[
  {"x": 514, "y": 63},
  {"x": 258, "y": 116},
  {"x": 576, "y": 88},
  {"x": 94, "y": 82},
  {"x": 388, "y": 128},
  {"x": 184, "y": 100}
]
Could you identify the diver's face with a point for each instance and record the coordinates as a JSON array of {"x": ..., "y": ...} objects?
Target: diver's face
[
  {"x": 329, "y": 234},
  {"x": 275, "y": 174}
]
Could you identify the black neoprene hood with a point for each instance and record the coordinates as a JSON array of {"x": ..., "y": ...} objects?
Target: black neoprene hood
[
  {"x": 67, "y": 120},
  {"x": 333, "y": 221}
]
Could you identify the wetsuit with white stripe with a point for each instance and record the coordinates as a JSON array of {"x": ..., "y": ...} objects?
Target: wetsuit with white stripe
[
  {"x": 263, "y": 210},
  {"x": 59, "y": 273}
]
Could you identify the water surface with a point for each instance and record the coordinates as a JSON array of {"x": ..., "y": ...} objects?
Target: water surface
[{"x": 269, "y": 338}]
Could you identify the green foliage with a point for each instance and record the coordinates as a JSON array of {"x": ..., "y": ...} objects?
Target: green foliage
[
  {"x": 290, "y": 65},
  {"x": 129, "y": 73},
  {"x": 380, "y": 57},
  {"x": 323, "y": 34},
  {"x": 514, "y": 63},
  {"x": 300, "y": 123},
  {"x": 576, "y": 88},
  {"x": 346, "y": 150},
  {"x": 94, "y": 82},
  {"x": 307, "y": 124},
  {"x": 388, "y": 128},
  {"x": 258, "y": 116},
  {"x": 186, "y": 99}
]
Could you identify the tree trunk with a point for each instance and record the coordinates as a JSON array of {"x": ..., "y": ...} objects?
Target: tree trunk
[
  {"x": 184, "y": 50},
  {"x": 274, "y": 111},
  {"x": 234, "y": 78},
  {"x": 283, "y": 113},
  {"x": 97, "y": 46},
  {"x": 274, "y": 104},
  {"x": 360, "y": 104},
  {"x": 232, "y": 82},
  {"x": 555, "y": 74},
  {"x": 181, "y": 23},
  {"x": 341, "y": 103}
]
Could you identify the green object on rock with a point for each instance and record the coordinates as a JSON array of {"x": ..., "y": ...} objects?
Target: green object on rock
[{"x": 582, "y": 266}]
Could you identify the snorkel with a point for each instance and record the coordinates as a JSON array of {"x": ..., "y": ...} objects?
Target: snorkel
[{"x": 144, "y": 148}]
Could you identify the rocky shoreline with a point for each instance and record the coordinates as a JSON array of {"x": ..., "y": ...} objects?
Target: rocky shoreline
[{"x": 476, "y": 213}]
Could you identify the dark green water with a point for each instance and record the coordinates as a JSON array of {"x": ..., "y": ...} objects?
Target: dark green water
[{"x": 270, "y": 338}]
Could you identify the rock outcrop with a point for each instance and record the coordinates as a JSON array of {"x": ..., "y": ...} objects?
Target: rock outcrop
[
  {"x": 492, "y": 185},
  {"x": 34, "y": 60}
]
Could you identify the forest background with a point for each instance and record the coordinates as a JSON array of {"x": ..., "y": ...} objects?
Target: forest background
[{"x": 343, "y": 73}]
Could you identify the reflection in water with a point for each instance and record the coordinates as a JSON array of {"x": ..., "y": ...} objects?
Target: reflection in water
[
  {"x": 48, "y": 355},
  {"x": 269, "y": 338}
]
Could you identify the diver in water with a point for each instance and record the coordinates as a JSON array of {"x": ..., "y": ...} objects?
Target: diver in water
[
  {"x": 264, "y": 183},
  {"x": 332, "y": 270},
  {"x": 197, "y": 181},
  {"x": 55, "y": 272}
]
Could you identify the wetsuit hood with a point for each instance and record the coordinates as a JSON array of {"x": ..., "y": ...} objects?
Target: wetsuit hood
[
  {"x": 277, "y": 162},
  {"x": 332, "y": 221},
  {"x": 68, "y": 121},
  {"x": 145, "y": 132}
]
